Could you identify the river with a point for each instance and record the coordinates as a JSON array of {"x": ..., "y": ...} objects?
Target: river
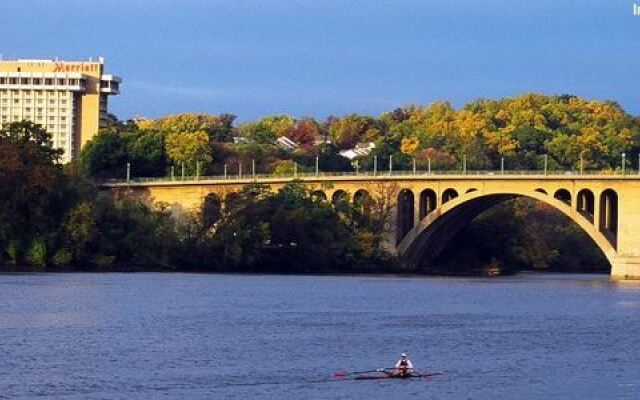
[{"x": 191, "y": 336}]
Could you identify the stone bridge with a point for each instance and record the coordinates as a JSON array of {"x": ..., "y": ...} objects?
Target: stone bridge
[{"x": 429, "y": 209}]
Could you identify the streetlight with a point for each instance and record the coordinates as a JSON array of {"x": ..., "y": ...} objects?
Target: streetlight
[
  {"x": 390, "y": 164},
  {"x": 502, "y": 165},
  {"x": 546, "y": 163},
  {"x": 225, "y": 171},
  {"x": 253, "y": 168},
  {"x": 317, "y": 165},
  {"x": 464, "y": 163},
  {"x": 429, "y": 165},
  {"x": 624, "y": 155},
  {"x": 414, "y": 166},
  {"x": 375, "y": 165},
  {"x": 128, "y": 172}
]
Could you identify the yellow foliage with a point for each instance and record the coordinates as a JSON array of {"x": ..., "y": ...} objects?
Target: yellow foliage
[{"x": 410, "y": 145}]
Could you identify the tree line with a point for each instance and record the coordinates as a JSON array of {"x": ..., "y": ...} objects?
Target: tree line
[{"x": 52, "y": 216}]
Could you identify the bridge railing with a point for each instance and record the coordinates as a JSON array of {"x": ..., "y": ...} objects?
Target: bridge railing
[{"x": 369, "y": 174}]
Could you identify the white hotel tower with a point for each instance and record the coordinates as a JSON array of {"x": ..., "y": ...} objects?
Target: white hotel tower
[{"x": 69, "y": 99}]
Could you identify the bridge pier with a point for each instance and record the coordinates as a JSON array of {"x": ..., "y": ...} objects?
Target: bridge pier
[{"x": 623, "y": 268}]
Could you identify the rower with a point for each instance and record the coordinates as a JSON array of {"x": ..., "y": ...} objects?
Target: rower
[{"x": 404, "y": 366}]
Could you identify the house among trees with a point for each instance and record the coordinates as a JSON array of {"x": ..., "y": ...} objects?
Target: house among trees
[
  {"x": 286, "y": 144},
  {"x": 360, "y": 150}
]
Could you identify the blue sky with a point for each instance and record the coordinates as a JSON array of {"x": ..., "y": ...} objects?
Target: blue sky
[{"x": 320, "y": 58}]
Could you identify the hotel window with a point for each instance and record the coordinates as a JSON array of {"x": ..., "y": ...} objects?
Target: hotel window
[
  {"x": 63, "y": 110},
  {"x": 52, "y": 110},
  {"x": 37, "y": 81},
  {"x": 52, "y": 118},
  {"x": 39, "y": 101},
  {"x": 27, "y": 101},
  {"x": 52, "y": 101},
  {"x": 62, "y": 82},
  {"x": 15, "y": 117},
  {"x": 27, "y": 109},
  {"x": 4, "y": 118},
  {"x": 13, "y": 81},
  {"x": 3, "y": 81},
  {"x": 39, "y": 109},
  {"x": 48, "y": 81},
  {"x": 39, "y": 118},
  {"x": 63, "y": 101},
  {"x": 16, "y": 101},
  {"x": 63, "y": 143},
  {"x": 24, "y": 81},
  {"x": 4, "y": 101},
  {"x": 63, "y": 118},
  {"x": 63, "y": 126}
]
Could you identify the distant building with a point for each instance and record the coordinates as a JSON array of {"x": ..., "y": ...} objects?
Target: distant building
[
  {"x": 286, "y": 144},
  {"x": 361, "y": 150},
  {"x": 68, "y": 98}
]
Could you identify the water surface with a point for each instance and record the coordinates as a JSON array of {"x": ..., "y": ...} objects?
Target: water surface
[{"x": 150, "y": 336}]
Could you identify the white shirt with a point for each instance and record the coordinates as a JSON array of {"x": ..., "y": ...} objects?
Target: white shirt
[{"x": 409, "y": 364}]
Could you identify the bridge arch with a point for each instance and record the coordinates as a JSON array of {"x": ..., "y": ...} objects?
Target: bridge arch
[
  {"x": 430, "y": 237},
  {"x": 405, "y": 214},
  {"x": 449, "y": 194},
  {"x": 586, "y": 204},
  {"x": 563, "y": 195},
  {"x": 318, "y": 195},
  {"x": 362, "y": 201},
  {"x": 428, "y": 202},
  {"x": 609, "y": 215},
  {"x": 338, "y": 196}
]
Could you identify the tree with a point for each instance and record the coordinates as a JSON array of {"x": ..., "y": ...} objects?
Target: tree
[
  {"x": 31, "y": 183},
  {"x": 189, "y": 149},
  {"x": 105, "y": 155}
]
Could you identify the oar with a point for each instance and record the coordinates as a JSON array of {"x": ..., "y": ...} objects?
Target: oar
[
  {"x": 428, "y": 374},
  {"x": 344, "y": 374}
]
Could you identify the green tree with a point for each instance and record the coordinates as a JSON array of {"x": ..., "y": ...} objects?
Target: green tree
[{"x": 190, "y": 150}]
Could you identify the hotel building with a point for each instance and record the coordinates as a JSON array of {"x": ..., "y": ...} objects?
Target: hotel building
[{"x": 68, "y": 98}]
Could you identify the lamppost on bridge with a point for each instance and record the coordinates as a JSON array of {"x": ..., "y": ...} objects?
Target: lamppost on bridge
[
  {"x": 414, "y": 165},
  {"x": 464, "y": 164},
  {"x": 240, "y": 170},
  {"x": 502, "y": 165},
  {"x": 128, "y": 172},
  {"x": 253, "y": 169},
  {"x": 197, "y": 170},
  {"x": 429, "y": 165},
  {"x": 173, "y": 173},
  {"x": 624, "y": 155},
  {"x": 317, "y": 165},
  {"x": 390, "y": 164},
  {"x": 225, "y": 171},
  {"x": 375, "y": 165},
  {"x": 546, "y": 163}
]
